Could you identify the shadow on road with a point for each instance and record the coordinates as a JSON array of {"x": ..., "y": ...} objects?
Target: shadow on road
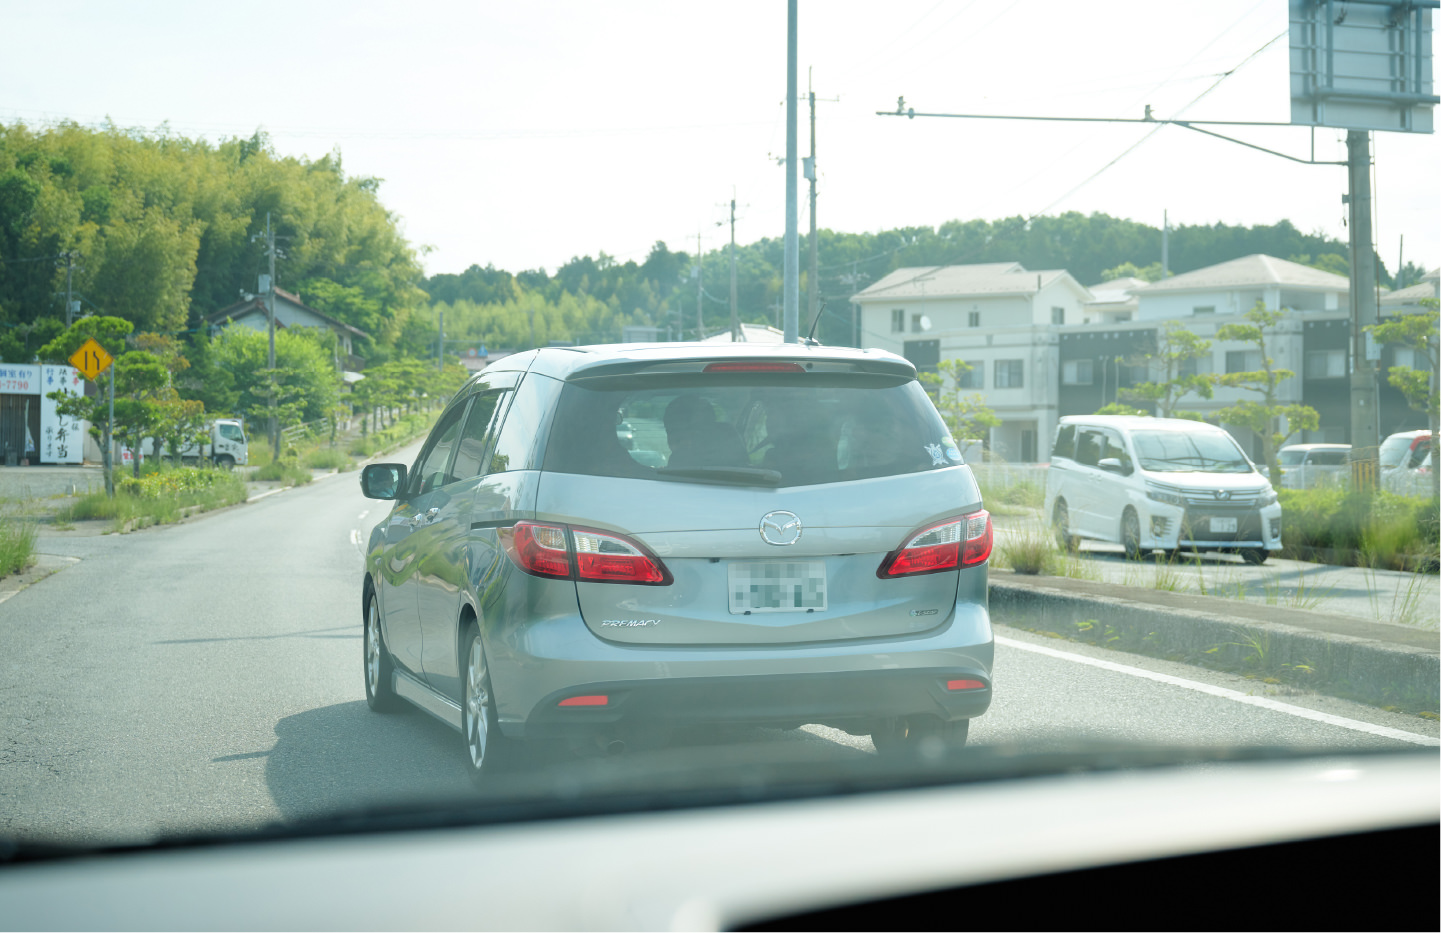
[{"x": 342, "y": 758}]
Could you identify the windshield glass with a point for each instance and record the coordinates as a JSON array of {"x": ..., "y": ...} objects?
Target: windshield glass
[
  {"x": 1292, "y": 457},
  {"x": 358, "y": 471},
  {"x": 1174, "y": 452}
]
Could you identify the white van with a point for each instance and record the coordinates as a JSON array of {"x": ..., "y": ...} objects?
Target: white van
[{"x": 1158, "y": 484}]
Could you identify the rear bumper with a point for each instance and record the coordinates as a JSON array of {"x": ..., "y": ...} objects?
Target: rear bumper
[{"x": 854, "y": 700}]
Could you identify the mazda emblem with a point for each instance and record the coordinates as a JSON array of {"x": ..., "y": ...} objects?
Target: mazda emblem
[{"x": 780, "y": 528}]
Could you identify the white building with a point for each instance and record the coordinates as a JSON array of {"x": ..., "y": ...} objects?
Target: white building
[{"x": 1001, "y": 318}]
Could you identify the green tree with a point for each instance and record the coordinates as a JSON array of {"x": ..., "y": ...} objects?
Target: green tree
[
  {"x": 1129, "y": 270},
  {"x": 306, "y": 384},
  {"x": 1419, "y": 386},
  {"x": 1274, "y": 421},
  {"x": 1171, "y": 358},
  {"x": 967, "y": 416}
]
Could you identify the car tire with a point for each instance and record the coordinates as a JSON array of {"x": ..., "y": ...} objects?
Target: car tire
[
  {"x": 486, "y": 750},
  {"x": 377, "y": 665},
  {"x": 1254, "y": 556},
  {"x": 1061, "y": 524},
  {"x": 921, "y": 735},
  {"x": 225, "y": 462},
  {"x": 1131, "y": 534}
]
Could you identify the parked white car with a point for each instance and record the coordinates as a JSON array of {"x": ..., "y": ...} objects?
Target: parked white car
[
  {"x": 1406, "y": 463},
  {"x": 1306, "y": 466},
  {"x": 1159, "y": 484}
]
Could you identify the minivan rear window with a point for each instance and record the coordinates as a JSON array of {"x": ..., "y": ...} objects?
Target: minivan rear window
[{"x": 748, "y": 429}]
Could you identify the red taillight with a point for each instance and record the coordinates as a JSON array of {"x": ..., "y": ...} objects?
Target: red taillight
[
  {"x": 604, "y": 557},
  {"x": 754, "y": 366},
  {"x": 598, "y": 699},
  {"x": 965, "y": 685},
  {"x": 538, "y": 549},
  {"x": 600, "y": 557},
  {"x": 979, "y": 537},
  {"x": 959, "y": 542}
]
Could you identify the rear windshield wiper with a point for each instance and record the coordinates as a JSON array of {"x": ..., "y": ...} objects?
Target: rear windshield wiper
[{"x": 738, "y": 476}]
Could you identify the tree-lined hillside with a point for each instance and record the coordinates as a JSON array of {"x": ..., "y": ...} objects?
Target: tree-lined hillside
[{"x": 164, "y": 230}]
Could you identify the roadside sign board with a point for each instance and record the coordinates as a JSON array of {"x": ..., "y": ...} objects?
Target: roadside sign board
[{"x": 91, "y": 359}]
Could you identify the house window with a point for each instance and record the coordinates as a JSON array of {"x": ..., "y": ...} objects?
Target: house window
[
  {"x": 898, "y": 320},
  {"x": 973, "y": 319},
  {"x": 1058, "y": 315},
  {"x": 1243, "y": 361},
  {"x": 1325, "y": 364},
  {"x": 1009, "y": 374},
  {"x": 1204, "y": 309},
  {"x": 973, "y": 378},
  {"x": 1194, "y": 367},
  {"x": 1078, "y": 373},
  {"x": 916, "y": 327}
]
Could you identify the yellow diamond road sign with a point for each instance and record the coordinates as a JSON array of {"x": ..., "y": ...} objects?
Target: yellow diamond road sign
[{"x": 91, "y": 359}]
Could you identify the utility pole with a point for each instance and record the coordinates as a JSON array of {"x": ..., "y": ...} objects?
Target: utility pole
[
  {"x": 812, "y": 289},
  {"x": 70, "y": 303},
  {"x": 1165, "y": 244},
  {"x": 1365, "y": 426},
  {"x": 270, "y": 320},
  {"x": 735, "y": 308},
  {"x": 699, "y": 293},
  {"x": 440, "y": 344},
  {"x": 791, "y": 277}
]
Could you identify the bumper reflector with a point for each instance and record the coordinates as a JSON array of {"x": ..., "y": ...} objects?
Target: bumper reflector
[
  {"x": 964, "y": 685},
  {"x": 592, "y": 700}
]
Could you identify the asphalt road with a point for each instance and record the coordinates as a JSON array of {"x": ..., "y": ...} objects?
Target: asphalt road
[{"x": 206, "y": 676}]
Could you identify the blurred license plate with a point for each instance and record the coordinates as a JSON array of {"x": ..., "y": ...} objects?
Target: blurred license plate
[
  {"x": 777, "y": 586},
  {"x": 1223, "y": 525}
]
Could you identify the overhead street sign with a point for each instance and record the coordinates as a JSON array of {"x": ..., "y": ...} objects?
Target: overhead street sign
[
  {"x": 1362, "y": 65},
  {"x": 91, "y": 359}
]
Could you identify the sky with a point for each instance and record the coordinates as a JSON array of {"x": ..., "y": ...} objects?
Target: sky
[{"x": 524, "y": 134}]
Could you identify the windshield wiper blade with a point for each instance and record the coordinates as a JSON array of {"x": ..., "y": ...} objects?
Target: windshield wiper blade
[{"x": 739, "y": 476}]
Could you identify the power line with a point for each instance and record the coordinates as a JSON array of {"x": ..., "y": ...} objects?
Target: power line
[{"x": 1132, "y": 148}]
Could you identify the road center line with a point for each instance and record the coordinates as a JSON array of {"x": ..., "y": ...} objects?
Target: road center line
[{"x": 1276, "y": 706}]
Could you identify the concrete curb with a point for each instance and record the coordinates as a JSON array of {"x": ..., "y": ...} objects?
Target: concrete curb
[{"x": 1379, "y": 664}]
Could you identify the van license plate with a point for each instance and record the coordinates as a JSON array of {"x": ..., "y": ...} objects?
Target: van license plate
[
  {"x": 1223, "y": 525},
  {"x": 777, "y": 586}
]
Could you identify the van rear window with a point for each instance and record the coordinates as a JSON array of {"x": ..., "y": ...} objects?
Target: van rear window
[{"x": 750, "y": 429}]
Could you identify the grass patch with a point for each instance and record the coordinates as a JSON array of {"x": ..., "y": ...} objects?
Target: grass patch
[
  {"x": 1377, "y": 529},
  {"x": 285, "y": 471},
  {"x": 17, "y": 544},
  {"x": 157, "y": 498},
  {"x": 1031, "y": 552},
  {"x": 326, "y": 458}
]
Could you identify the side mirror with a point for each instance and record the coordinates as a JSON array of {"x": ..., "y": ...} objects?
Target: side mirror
[
  {"x": 382, "y": 480},
  {"x": 1112, "y": 465}
]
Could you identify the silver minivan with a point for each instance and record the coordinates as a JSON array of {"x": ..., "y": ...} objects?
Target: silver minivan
[
  {"x": 610, "y": 542},
  {"x": 1165, "y": 484}
]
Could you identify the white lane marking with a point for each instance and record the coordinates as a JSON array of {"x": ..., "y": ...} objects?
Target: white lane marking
[
  {"x": 1276, "y": 706},
  {"x": 355, "y": 536},
  {"x": 268, "y": 492},
  {"x": 363, "y": 514}
]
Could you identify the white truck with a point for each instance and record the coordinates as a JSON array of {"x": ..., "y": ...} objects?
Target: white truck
[{"x": 226, "y": 446}]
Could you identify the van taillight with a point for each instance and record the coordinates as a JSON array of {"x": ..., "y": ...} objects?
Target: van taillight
[
  {"x": 599, "y": 556},
  {"x": 956, "y": 542},
  {"x": 538, "y": 549},
  {"x": 605, "y": 557}
]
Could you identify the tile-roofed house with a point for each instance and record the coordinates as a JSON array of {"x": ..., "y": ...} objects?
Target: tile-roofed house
[
  {"x": 1410, "y": 297},
  {"x": 1234, "y": 287},
  {"x": 1114, "y": 301},
  {"x": 291, "y": 311},
  {"x": 998, "y": 317}
]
